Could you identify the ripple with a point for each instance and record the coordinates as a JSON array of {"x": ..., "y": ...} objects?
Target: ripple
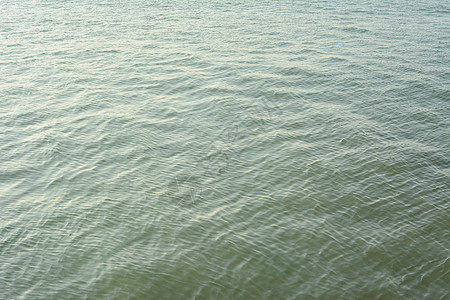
[{"x": 224, "y": 150}]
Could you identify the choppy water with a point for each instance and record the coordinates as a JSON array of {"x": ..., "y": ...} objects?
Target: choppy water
[{"x": 224, "y": 149}]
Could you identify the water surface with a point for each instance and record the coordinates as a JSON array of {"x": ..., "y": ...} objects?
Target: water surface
[{"x": 224, "y": 149}]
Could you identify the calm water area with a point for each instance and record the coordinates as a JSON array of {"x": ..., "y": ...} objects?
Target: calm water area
[{"x": 224, "y": 149}]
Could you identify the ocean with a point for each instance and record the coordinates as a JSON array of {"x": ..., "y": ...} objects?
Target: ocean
[{"x": 224, "y": 149}]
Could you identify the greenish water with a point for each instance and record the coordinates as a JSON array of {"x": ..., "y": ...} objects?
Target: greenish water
[{"x": 224, "y": 149}]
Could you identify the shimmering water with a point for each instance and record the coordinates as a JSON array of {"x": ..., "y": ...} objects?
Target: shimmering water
[{"x": 224, "y": 149}]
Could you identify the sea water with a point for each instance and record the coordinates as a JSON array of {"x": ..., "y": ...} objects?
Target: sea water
[{"x": 220, "y": 149}]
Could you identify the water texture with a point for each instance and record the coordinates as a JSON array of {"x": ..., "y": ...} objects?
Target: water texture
[{"x": 224, "y": 149}]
